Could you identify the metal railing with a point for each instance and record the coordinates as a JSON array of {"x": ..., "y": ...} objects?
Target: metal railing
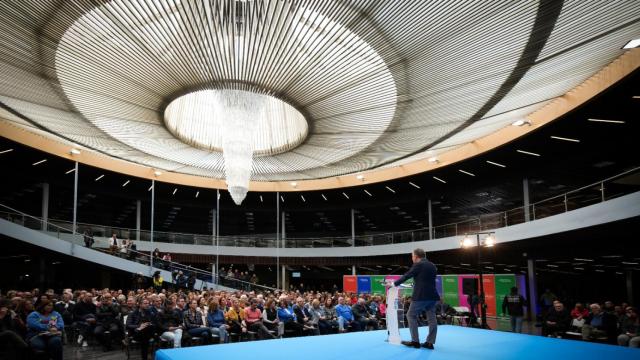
[
  {"x": 142, "y": 257},
  {"x": 584, "y": 196}
]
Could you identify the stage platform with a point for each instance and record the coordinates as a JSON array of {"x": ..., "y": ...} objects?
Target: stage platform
[{"x": 454, "y": 342}]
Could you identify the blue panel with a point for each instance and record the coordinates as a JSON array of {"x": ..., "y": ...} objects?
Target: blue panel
[{"x": 364, "y": 284}]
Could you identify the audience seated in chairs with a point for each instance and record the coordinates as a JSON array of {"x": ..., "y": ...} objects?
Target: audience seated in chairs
[
  {"x": 630, "y": 329},
  {"x": 557, "y": 321},
  {"x": 170, "y": 324},
  {"x": 216, "y": 321},
  {"x": 270, "y": 318},
  {"x": 107, "y": 321},
  {"x": 599, "y": 325},
  {"x": 345, "y": 317},
  {"x": 141, "y": 326},
  {"x": 444, "y": 312},
  {"x": 85, "y": 317},
  {"x": 44, "y": 330},
  {"x": 329, "y": 325},
  {"x": 12, "y": 345},
  {"x": 253, "y": 321},
  {"x": 288, "y": 317},
  {"x": 363, "y": 317},
  {"x": 194, "y": 323},
  {"x": 303, "y": 317}
]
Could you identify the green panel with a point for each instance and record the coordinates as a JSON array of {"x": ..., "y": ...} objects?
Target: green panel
[
  {"x": 504, "y": 283},
  {"x": 450, "y": 289},
  {"x": 407, "y": 291},
  {"x": 377, "y": 284}
]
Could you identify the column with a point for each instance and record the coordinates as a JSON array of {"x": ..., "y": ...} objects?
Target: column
[
  {"x": 430, "y": 215},
  {"x": 45, "y": 205},
  {"x": 525, "y": 193},
  {"x": 138, "y": 218},
  {"x": 353, "y": 269},
  {"x": 284, "y": 232},
  {"x": 278, "y": 240},
  {"x": 533, "y": 293},
  {"x": 153, "y": 199},
  {"x": 353, "y": 227},
  {"x": 75, "y": 198},
  {"x": 217, "y": 234},
  {"x": 284, "y": 276}
]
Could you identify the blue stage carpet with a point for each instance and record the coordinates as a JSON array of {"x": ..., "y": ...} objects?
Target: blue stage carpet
[{"x": 454, "y": 342}]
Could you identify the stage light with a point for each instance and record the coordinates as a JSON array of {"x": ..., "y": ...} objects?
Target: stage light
[
  {"x": 489, "y": 241},
  {"x": 467, "y": 242}
]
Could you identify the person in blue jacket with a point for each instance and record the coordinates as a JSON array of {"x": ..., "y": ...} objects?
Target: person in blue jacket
[
  {"x": 216, "y": 321},
  {"x": 44, "y": 330},
  {"x": 345, "y": 316},
  {"x": 288, "y": 317}
]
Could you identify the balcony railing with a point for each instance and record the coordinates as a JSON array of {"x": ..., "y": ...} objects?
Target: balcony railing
[{"x": 612, "y": 187}]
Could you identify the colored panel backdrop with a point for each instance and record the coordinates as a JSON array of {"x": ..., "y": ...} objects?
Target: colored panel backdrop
[
  {"x": 450, "y": 289},
  {"x": 404, "y": 292},
  {"x": 364, "y": 284},
  {"x": 377, "y": 284},
  {"x": 490, "y": 293},
  {"x": 439, "y": 285},
  {"x": 392, "y": 278},
  {"x": 462, "y": 296},
  {"x": 504, "y": 283},
  {"x": 350, "y": 283}
]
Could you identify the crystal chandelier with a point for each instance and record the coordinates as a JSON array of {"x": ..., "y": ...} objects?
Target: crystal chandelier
[{"x": 241, "y": 112}]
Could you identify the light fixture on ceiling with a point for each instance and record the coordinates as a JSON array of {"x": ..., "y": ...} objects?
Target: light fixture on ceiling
[
  {"x": 157, "y": 173},
  {"x": 360, "y": 177},
  {"x": 150, "y": 187},
  {"x": 635, "y": 97},
  {"x": 632, "y": 44},
  {"x": 521, "y": 122},
  {"x": 75, "y": 151},
  {"x": 174, "y": 191},
  {"x": 433, "y": 160},
  {"x": 390, "y": 189},
  {"x": 70, "y": 171},
  {"x": 345, "y": 195},
  {"x": 368, "y": 193},
  {"x": 303, "y": 199},
  {"x": 496, "y": 164},
  {"x": 39, "y": 162},
  {"x": 606, "y": 121},
  {"x": 489, "y": 241},
  {"x": 324, "y": 197},
  {"x": 466, "y": 172},
  {"x": 293, "y": 184},
  {"x": 437, "y": 178},
  {"x": 528, "y": 153},
  {"x": 126, "y": 183},
  {"x": 99, "y": 177},
  {"x": 5, "y": 151},
  {"x": 467, "y": 242},
  {"x": 261, "y": 200},
  {"x": 565, "y": 139},
  {"x": 282, "y": 198},
  {"x": 197, "y": 194},
  {"x": 414, "y": 185}
]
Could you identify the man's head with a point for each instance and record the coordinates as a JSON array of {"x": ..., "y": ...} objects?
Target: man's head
[
  {"x": 558, "y": 306},
  {"x": 417, "y": 255},
  {"x": 106, "y": 299},
  {"x": 341, "y": 300},
  {"x": 361, "y": 301},
  {"x": 514, "y": 290},
  {"x": 595, "y": 308}
]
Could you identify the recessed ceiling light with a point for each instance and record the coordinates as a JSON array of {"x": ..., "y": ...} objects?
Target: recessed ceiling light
[
  {"x": 282, "y": 198},
  {"x": 390, "y": 189},
  {"x": 433, "y": 159},
  {"x": 324, "y": 197},
  {"x": 157, "y": 173},
  {"x": 261, "y": 200},
  {"x": 6, "y": 151},
  {"x": 360, "y": 177},
  {"x": 521, "y": 122},
  {"x": 294, "y": 184},
  {"x": 437, "y": 178},
  {"x": 527, "y": 153},
  {"x": 579, "y": 259},
  {"x": 174, "y": 191},
  {"x": 39, "y": 162},
  {"x": 598, "y": 270},
  {"x": 70, "y": 171},
  {"x": 368, "y": 193},
  {"x": 303, "y": 199},
  {"x": 635, "y": 97},
  {"x": 496, "y": 164},
  {"x": 466, "y": 172},
  {"x": 553, "y": 266},
  {"x": 75, "y": 151},
  {"x": 578, "y": 268},
  {"x": 345, "y": 195},
  {"x": 99, "y": 177},
  {"x": 414, "y": 185},
  {"x": 607, "y": 121},
  {"x": 197, "y": 194},
  {"x": 632, "y": 44},
  {"x": 565, "y": 139},
  {"x": 126, "y": 183}
]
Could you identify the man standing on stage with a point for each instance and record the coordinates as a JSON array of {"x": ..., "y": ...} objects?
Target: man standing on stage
[{"x": 424, "y": 298}]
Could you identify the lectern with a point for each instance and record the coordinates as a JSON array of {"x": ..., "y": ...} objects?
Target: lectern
[{"x": 393, "y": 308}]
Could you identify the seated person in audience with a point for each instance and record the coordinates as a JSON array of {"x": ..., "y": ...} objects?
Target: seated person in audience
[
  {"x": 444, "y": 312},
  {"x": 557, "y": 321},
  {"x": 579, "y": 312},
  {"x": 44, "y": 330},
  {"x": 107, "y": 320},
  {"x": 128, "y": 307},
  {"x": 302, "y": 316},
  {"x": 216, "y": 321},
  {"x": 330, "y": 323},
  {"x": 142, "y": 325},
  {"x": 362, "y": 315},
  {"x": 194, "y": 324},
  {"x": 65, "y": 308},
  {"x": 288, "y": 317},
  {"x": 345, "y": 316},
  {"x": 270, "y": 317},
  {"x": 23, "y": 308},
  {"x": 374, "y": 306},
  {"x": 599, "y": 324},
  {"x": 609, "y": 308},
  {"x": 318, "y": 317},
  {"x": 170, "y": 324},
  {"x": 253, "y": 321},
  {"x": 630, "y": 329},
  {"x": 10, "y": 341},
  {"x": 235, "y": 319},
  {"x": 621, "y": 315},
  {"x": 84, "y": 315}
]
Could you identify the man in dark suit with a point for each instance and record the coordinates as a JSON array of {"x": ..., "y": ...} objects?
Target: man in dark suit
[{"x": 424, "y": 298}]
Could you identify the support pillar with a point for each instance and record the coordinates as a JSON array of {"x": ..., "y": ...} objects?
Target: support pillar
[
  {"x": 75, "y": 198},
  {"x": 533, "y": 293},
  {"x": 430, "y": 215},
  {"x": 284, "y": 276},
  {"x": 353, "y": 269},
  {"x": 45, "y": 205},
  {"x": 353, "y": 227},
  {"x": 153, "y": 199},
  {"x": 284, "y": 232},
  {"x": 525, "y": 196},
  {"x": 138, "y": 218}
]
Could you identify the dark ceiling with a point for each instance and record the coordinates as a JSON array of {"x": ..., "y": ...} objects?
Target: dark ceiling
[{"x": 605, "y": 149}]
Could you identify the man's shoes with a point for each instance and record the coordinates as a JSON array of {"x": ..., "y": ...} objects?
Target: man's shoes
[
  {"x": 427, "y": 345},
  {"x": 413, "y": 344},
  {"x": 80, "y": 338}
]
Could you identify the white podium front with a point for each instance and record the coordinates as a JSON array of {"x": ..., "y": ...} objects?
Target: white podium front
[{"x": 393, "y": 331}]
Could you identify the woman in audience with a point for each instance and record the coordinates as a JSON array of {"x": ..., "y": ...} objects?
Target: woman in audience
[
  {"x": 44, "y": 330},
  {"x": 194, "y": 325},
  {"x": 630, "y": 329},
  {"x": 11, "y": 344},
  {"x": 270, "y": 317},
  {"x": 288, "y": 317},
  {"x": 235, "y": 319},
  {"x": 579, "y": 312},
  {"x": 170, "y": 324},
  {"x": 216, "y": 321},
  {"x": 331, "y": 318},
  {"x": 23, "y": 308}
]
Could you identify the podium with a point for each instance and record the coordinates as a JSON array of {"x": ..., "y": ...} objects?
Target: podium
[{"x": 393, "y": 307}]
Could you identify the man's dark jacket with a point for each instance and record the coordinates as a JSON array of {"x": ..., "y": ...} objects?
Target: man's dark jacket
[{"x": 424, "y": 281}]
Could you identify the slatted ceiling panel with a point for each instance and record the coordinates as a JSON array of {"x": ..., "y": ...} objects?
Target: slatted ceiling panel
[{"x": 582, "y": 20}]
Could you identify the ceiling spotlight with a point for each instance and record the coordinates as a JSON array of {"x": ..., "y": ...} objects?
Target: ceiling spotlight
[
  {"x": 261, "y": 200},
  {"x": 433, "y": 160},
  {"x": 197, "y": 193},
  {"x": 607, "y": 121},
  {"x": 126, "y": 183},
  {"x": 99, "y": 177},
  {"x": 157, "y": 173},
  {"x": 632, "y": 44},
  {"x": 414, "y": 185},
  {"x": 521, "y": 122},
  {"x": 345, "y": 195},
  {"x": 390, "y": 189},
  {"x": 565, "y": 139},
  {"x": 39, "y": 162},
  {"x": 324, "y": 197},
  {"x": 527, "y": 152},
  {"x": 6, "y": 151},
  {"x": 368, "y": 193},
  {"x": 466, "y": 172},
  {"x": 467, "y": 242},
  {"x": 496, "y": 164},
  {"x": 437, "y": 178},
  {"x": 75, "y": 151},
  {"x": 303, "y": 199},
  {"x": 293, "y": 184},
  {"x": 174, "y": 191},
  {"x": 282, "y": 198},
  {"x": 360, "y": 177}
]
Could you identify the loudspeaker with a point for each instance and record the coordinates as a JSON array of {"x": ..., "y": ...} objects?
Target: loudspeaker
[{"x": 469, "y": 286}]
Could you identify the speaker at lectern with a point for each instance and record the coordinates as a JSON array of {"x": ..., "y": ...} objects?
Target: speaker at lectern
[{"x": 393, "y": 308}]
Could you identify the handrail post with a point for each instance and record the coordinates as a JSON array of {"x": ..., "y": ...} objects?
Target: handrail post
[
  {"x": 602, "y": 190},
  {"x": 565, "y": 203}
]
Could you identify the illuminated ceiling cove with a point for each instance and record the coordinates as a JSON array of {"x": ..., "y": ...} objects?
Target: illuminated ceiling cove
[{"x": 351, "y": 85}]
